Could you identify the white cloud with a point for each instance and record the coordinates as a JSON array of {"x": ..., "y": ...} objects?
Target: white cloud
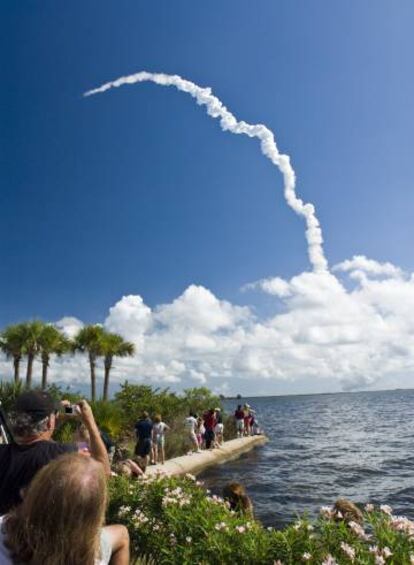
[
  {"x": 322, "y": 333},
  {"x": 360, "y": 267},
  {"x": 69, "y": 325}
]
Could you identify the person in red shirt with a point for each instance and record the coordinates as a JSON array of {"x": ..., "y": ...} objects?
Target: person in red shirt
[
  {"x": 239, "y": 417},
  {"x": 209, "y": 424}
]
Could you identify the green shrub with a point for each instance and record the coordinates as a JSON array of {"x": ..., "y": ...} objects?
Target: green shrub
[{"x": 175, "y": 521}]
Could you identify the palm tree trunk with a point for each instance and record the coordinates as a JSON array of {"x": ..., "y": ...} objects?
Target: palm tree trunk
[
  {"x": 92, "y": 364},
  {"x": 108, "y": 365},
  {"x": 30, "y": 359},
  {"x": 16, "y": 365},
  {"x": 45, "y": 365}
]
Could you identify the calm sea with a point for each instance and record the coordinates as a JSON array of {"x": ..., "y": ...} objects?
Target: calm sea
[{"x": 354, "y": 445}]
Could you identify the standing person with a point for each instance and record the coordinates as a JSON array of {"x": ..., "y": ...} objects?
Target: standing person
[
  {"x": 248, "y": 419},
  {"x": 210, "y": 424},
  {"x": 143, "y": 431},
  {"x": 32, "y": 422},
  {"x": 61, "y": 519},
  {"x": 200, "y": 431},
  {"x": 219, "y": 428},
  {"x": 191, "y": 425},
  {"x": 158, "y": 439},
  {"x": 239, "y": 417}
]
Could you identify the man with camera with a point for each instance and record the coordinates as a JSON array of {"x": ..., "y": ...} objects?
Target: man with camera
[{"x": 32, "y": 422}]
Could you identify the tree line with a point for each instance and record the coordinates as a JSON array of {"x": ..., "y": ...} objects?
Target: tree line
[{"x": 36, "y": 339}]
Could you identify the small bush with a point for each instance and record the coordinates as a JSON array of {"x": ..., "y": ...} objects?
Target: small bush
[{"x": 175, "y": 521}]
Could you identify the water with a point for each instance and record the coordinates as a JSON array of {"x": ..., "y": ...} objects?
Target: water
[{"x": 354, "y": 445}]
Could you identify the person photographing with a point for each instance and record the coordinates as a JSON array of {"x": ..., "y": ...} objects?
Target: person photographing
[{"x": 32, "y": 422}]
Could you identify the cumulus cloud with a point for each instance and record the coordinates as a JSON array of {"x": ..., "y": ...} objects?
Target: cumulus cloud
[
  {"x": 360, "y": 267},
  {"x": 353, "y": 338},
  {"x": 69, "y": 325},
  {"x": 323, "y": 332}
]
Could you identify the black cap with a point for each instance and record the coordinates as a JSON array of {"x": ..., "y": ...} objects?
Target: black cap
[{"x": 36, "y": 403}]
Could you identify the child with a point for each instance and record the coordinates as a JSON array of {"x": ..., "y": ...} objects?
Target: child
[{"x": 200, "y": 431}]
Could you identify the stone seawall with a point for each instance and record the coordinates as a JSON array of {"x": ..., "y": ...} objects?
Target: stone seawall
[{"x": 198, "y": 462}]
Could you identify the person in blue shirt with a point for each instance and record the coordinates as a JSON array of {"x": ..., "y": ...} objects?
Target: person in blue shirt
[{"x": 143, "y": 431}]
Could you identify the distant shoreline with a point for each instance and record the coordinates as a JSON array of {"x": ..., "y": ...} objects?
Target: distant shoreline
[{"x": 247, "y": 396}]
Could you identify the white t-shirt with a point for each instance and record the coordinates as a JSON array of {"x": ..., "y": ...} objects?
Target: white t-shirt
[
  {"x": 190, "y": 424},
  {"x": 159, "y": 429},
  {"x": 106, "y": 548}
]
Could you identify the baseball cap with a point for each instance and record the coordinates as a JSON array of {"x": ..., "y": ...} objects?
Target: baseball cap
[{"x": 36, "y": 403}]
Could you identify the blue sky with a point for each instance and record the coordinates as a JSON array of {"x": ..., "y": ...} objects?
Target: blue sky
[{"x": 138, "y": 192}]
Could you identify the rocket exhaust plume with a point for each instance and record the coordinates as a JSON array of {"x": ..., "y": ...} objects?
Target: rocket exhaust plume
[{"x": 216, "y": 109}]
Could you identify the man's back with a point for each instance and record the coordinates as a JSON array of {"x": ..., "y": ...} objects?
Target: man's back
[
  {"x": 143, "y": 429},
  {"x": 20, "y": 463}
]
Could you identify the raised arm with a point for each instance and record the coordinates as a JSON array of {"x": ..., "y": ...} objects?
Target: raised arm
[{"x": 97, "y": 446}]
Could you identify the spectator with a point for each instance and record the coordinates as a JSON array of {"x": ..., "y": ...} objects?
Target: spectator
[
  {"x": 158, "y": 438},
  {"x": 248, "y": 419},
  {"x": 143, "y": 430},
  {"x": 200, "y": 431},
  {"x": 209, "y": 424},
  {"x": 32, "y": 423},
  {"x": 60, "y": 520},
  {"x": 219, "y": 428},
  {"x": 235, "y": 495},
  {"x": 239, "y": 417},
  {"x": 191, "y": 426}
]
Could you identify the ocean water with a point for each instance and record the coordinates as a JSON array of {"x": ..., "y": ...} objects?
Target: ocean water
[{"x": 321, "y": 447}]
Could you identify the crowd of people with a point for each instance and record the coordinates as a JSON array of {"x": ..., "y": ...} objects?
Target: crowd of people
[
  {"x": 204, "y": 431},
  {"x": 69, "y": 479}
]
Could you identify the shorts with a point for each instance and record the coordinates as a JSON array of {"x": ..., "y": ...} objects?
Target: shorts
[
  {"x": 240, "y": 425},
  {"x": 143, "y": 447},
  {"x": 219, "y": 429},
  {"x": 160, "y": 441},
  {"x": 193, "y": 437}
]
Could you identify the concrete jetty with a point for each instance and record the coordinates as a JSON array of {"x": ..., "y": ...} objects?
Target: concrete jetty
[{"x": 198, "y": 462}]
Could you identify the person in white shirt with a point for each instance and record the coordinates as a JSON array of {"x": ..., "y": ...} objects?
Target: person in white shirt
[
  {"x": 158, "y": 439},
  {"x": 191, "y": 426}
]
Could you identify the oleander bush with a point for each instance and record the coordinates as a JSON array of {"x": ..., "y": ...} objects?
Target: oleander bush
[{"x": 175, "y": 521}]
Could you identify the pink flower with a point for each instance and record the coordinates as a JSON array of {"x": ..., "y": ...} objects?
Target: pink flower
[
  {"x": 326, "y": 512},
  {"x": 369, "y": 507},
  {"x": 358, "y": 530},
  {"x": 329, "y": 560},
  {"x": 307, "y": 556},
  {"x": 386, "y": 509},
  {"x": 348, "y": 550},
  {"x": 240, "y": 529},
  {"x": 386, "y": 552}
]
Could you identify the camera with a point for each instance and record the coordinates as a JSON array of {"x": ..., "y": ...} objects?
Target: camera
[{"x": 71, "y": 410}]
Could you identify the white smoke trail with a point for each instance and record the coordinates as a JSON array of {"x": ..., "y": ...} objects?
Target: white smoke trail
[{"x": 216, "y": 109}]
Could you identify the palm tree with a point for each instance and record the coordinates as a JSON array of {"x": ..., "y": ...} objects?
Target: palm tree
[
  {"x": 89, "y": 340},
  {"x": 12, "y": 344},
  {"x": 113, "y": 345},
  {"x": 32, "y": 332},
  {"x": 51, "y": 341}
]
